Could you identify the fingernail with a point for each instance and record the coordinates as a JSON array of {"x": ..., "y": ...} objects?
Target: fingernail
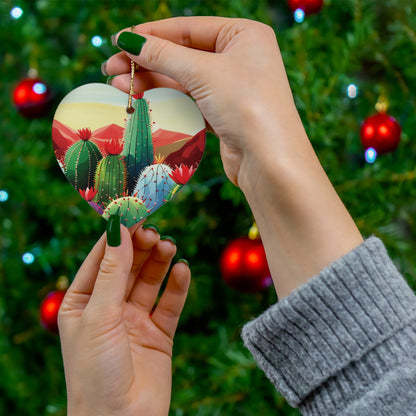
[
  {"x": 104, "y": 69},
  {"x": 150, "y": 227},
  {"x": 114, "y": 39},
  {"x": 131, "y": 42},
  {"x": 113, "y": 231},
  {"x": 184, "y": 261},
  {"x": 168, "y": 238},
  {"x": 109, "y": 80}
]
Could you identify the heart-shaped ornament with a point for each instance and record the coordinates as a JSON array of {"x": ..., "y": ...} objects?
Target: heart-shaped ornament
[{"x": 128, "y": 164}]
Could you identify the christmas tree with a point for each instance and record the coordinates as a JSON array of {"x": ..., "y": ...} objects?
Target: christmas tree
[{"x": 341, "y": 61}]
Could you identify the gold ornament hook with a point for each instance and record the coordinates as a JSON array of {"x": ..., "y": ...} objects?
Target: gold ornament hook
[{"x": 133, "y": 68}]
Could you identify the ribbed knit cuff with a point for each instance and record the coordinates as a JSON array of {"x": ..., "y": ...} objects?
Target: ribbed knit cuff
[{"x": 338, "y": 333}]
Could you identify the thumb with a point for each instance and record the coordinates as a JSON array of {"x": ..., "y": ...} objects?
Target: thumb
[
  {"x": 180, "y": 63},
  {"x": 110, "y": 286}
]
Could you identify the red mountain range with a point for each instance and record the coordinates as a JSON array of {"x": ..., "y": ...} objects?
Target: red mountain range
[{"x": 63, "y": 137}]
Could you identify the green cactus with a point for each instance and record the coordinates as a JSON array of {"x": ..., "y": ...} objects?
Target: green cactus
[
  {"x": 81, "y": 161},
  {"x": 138, "y": 145},
  {"x": 130, "y": 209},
  {"x": 110, "y": 176}
]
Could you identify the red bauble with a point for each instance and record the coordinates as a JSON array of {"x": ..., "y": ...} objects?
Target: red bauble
[
  {"x": 308, "y": 6},
  {"x": 49, "y": 309},
  {"x": 381, "y": 132},
  {"x": 32, "y": 98},
  {"x": 244, "y": 266}
]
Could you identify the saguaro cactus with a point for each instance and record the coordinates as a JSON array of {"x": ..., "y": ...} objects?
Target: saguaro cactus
[
  {"x": 138, "y": 145},
  {"x": 81, "y": 161},
  {"x": 110, "y": 177}
]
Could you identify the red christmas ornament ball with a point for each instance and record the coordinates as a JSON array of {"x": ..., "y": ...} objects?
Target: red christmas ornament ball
[
  {"x": 32, "y": 97},
  {"x": 49, "y": 309},
  {"x": 244, "y": 266},
  {"x": 381, "y": 132},
  {"x": 308, "y": 6}
]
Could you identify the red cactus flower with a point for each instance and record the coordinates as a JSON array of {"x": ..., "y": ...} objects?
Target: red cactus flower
[
  {"x": 88, "y": 194},
  {"x": 181, "y": 174},
  {"x": 84, "y": 134},
  {"x": 113, "y": 147}
]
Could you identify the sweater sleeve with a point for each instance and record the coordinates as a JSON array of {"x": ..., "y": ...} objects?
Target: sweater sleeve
[{"x": 345, "y": 342}]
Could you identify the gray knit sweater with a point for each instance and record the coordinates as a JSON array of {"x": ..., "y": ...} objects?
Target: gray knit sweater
[{"x": 345, "y": 342}]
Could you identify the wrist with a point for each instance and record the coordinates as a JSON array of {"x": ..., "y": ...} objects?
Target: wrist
[{"x": 302, "y": 222}]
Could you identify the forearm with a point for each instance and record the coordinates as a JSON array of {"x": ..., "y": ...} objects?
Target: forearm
[{"x": 303, "y": 223}]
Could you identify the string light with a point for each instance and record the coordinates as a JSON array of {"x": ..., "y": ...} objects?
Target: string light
[
  {"x": 16, "y": 13},
  {"x": 28, "y": 258},
  {"x": 4, "y": 195},
  {"x": 97, "y": 41},
  {"x": 39, "y": 88},
  {"x": 352, "y": 91},
  {"x": 370, "y": 155},
  {"x": 299, "y": 15}
]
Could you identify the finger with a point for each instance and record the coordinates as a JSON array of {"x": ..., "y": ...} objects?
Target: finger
[
  {"x": 147, "y": 285},
  {"x": 112, "y": 278},
  {"x": 84, "y": 280},
  {"x": 160, "y": 55},
  {"x": 197, "y": 32},
  {"x": 144, "y": 240},
  {"x": 145, "y": 81},
  {"x": 169, "y": 308}
]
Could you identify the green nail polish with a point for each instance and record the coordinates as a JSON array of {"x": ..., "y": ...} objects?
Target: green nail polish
[
  {"x": 169, "y": 238},
  {"x": 131, "y": 42},
  {"x": 184, "y": 261},
  {"x": 150, "y": 227},
  {"x": 109, "y": 80},
  {"x": 113, "y": 231}
]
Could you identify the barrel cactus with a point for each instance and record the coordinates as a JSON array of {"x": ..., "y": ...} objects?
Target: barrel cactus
[
  {"x": 138, "y": 144},
  {"x": 81, "y": 161},
  {"x": 155, "y": 185},
  {"x": 130, "y": 209},
  {"x": 110, "y": 176}
]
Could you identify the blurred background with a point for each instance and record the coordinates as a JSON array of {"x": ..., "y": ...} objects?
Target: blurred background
[{"x": 346, "y": 60}]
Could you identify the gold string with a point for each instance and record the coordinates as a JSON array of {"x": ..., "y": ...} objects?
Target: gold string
[{"x": 133, "y": 67}]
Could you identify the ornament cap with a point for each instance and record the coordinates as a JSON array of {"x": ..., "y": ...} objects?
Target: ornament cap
[
  {"x": 253, "y": 232},
  {"x": 62, "y": 283}
]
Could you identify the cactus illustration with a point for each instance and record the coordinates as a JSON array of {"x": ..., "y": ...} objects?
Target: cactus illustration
[
  {"x": 81, "y": 161},
  {"x": 89, "y": 194},
  {"x": 138, "y": 145},
  {"x": 130, "y": 209},
  {"x": 155, "y": 186},
  {"x": 110, "y": 176}
]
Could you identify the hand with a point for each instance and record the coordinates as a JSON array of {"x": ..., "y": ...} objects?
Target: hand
[
  {"x": 234, "y": 71},
  {"x": 117, "y": 353}
]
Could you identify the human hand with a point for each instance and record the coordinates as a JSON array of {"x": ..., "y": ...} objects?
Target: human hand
[
  {"x": 234, "y": 71},
  {"x": 117, "y": 352}
]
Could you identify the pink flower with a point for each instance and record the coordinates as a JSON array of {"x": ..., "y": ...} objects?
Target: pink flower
[
  {"x": 88, "y": 194},
  {"x": 181, "y": 174},
  {"x": 84, "y": 134}
]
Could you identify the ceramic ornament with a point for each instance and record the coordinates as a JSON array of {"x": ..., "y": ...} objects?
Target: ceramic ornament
[{"x": 127, "y": 163}]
